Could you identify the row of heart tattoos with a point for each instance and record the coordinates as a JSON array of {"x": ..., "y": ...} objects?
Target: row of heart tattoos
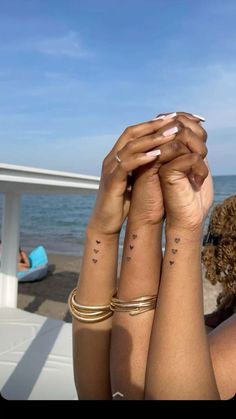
[
  {"x": 131, "y": 246},
  {"x": 98, "y": 242},
  {"x": 174, "y": 251}
]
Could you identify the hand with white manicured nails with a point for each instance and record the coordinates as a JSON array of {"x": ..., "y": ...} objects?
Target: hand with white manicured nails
[
  {"x": 138, "y": 146},
  {"x": 147, "y": 199},
  {"x": 146, "y": 145}
]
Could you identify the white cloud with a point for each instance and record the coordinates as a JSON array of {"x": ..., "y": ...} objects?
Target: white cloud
[{"x": 68, "y": 45}]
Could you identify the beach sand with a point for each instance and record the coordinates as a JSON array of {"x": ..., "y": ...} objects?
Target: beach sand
[{"x": 48, "y": 297}]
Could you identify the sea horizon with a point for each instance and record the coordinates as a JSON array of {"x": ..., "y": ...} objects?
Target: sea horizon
[{"x": 58, "y": 222}]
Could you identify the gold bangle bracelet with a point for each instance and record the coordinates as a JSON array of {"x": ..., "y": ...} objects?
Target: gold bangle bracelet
[
  {"x": 136, "y": 306},
  {"x": 86, "y": 307},
  {"x": 86, "y": 313},
  {"x": 91, "y": 320}
]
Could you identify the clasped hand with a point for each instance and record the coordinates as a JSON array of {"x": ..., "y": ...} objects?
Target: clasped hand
[{"x": 155, "y": 168}]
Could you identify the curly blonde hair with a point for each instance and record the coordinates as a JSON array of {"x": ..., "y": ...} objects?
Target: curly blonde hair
[{"x": 219, "y": 254}]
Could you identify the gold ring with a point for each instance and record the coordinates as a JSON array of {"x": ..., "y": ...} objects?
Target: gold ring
[{"x": 117, "y": 158}]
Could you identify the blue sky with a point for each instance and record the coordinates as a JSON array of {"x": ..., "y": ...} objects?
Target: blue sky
[{"x": 75, "y": 73}]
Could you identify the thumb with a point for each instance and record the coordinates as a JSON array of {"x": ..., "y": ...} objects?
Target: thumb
[{"x": 189, "y": 165}]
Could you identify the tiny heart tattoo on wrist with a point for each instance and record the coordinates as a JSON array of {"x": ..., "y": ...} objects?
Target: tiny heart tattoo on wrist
[
  {"x": 95, "y": 250},
  {"x": 177, "y": 240},
  {"x": 134, "y": 236},
  {"x": 171, "y": 262},
  {"x": 128, "y": 258},
  {"x": 174, "y": 251},
  {"x": 131, "y": 247},
  {"x": 94, "y": 260},
  {"x": 98, "y": 241}
]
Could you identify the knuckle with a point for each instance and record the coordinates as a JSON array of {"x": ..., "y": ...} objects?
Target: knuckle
[
  {"x": 122, "y": 166},
  {"x": 196, "y": 157},
  {"x": 187, "y": 131},
  {"x": 129, "y": 130},
  {"x": 105, "y": 162},
  {"x": 204, "y": 135},
  {"x": 130, "y": 147},
  {"x": 204, "y": 151},
  {"x": 151, "y": 136},
  {"x": 176, "y": 145}
]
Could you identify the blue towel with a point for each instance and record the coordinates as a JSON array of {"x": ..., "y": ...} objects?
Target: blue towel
[{"x": 38, "y": 257}]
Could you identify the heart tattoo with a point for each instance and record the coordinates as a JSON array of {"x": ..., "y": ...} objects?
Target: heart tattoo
[
  {"x": 177, "y": 240},
  {"x": 94, "y": 260},
  {"x": 174, "y": 251},
  {"x": 171, "y": 262}
]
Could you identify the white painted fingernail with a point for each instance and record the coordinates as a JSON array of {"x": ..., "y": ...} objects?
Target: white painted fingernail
[
  {"x": 166, "y": 117},
  {"x": 159, "y": 117},
  {"x": 170, "y": 131},
  {"x": 153, "y": 153},
  {"x": 199, "y": 117}
]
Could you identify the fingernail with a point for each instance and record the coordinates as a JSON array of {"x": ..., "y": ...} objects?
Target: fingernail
[
  {"x": 159, "y": 117},
  {"x": 153, "y": 153},
  {"x": 166, "y": 117},
  {"x": 170, "y": 131},
  {"x": 199, "y": 117}
]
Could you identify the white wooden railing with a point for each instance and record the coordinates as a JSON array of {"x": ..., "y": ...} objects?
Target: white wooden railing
[{"x": 18, "y": 180}]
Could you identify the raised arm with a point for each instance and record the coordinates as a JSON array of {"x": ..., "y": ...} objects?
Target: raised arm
[
  {"x": 142, "y": 258},
  {"x": 97, "y": 284},
  {"x": 179, "y": 362}
]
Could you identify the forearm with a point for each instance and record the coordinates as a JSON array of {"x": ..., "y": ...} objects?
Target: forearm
[
  {"x": 139, "y": 276},
  {"x": 179, "y": 364},
  {"x": 91, "y": 342}
]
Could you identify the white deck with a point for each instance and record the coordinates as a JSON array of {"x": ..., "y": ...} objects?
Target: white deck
[{"x": 35, "y": 357}]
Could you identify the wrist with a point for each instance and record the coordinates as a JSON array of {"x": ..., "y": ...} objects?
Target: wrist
[
  {"x": 94, "y": 232},
  {"x": 185, "y": 225},
  {"x": 138, "y": 225},
  {"x": 188, "y": 235}
]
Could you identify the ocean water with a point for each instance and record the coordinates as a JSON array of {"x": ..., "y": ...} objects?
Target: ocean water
[{"x": 58, "y": 222}]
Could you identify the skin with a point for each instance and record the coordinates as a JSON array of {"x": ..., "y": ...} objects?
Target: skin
[
  {"x": 179, "y": 363},
  {"x": 141, "y": 264},
  {"x": 91, "y": 342},
  {"x": 222, "y": 341},
  {"x": 23, "y": 261},
  {"x": 92, "y": 350}
]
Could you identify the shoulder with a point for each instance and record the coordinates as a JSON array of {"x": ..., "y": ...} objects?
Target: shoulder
[{"x": 222, "y": 342}]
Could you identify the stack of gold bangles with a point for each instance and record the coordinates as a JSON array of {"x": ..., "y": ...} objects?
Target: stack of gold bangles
[
  {"x": 136, "y": 306},
  {"x": 97, "y": 313},
  {"x": 88, "y": 314}
]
